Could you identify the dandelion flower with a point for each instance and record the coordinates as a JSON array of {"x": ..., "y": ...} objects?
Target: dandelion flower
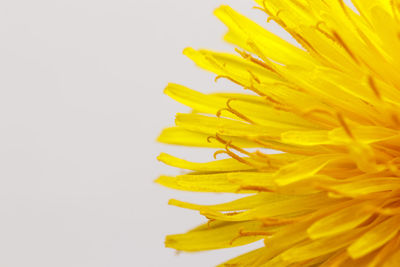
[{"x": 330, "y": 106}]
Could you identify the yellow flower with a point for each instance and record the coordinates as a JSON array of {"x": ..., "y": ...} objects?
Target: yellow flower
[{"x": 330, "y": 195}]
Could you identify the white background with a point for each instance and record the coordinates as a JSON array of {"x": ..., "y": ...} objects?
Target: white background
[{"x": 81, "y": 105}]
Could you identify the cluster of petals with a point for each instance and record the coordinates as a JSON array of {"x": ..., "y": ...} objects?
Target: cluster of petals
[{"x": 330, "y": 109}]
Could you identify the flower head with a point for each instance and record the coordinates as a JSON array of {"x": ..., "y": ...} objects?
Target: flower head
[{"x": 330, "y": 107}]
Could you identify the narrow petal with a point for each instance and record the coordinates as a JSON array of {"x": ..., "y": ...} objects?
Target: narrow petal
[
  {"x": 215, "y": 235},
  {"x": 375, "y": 238}
]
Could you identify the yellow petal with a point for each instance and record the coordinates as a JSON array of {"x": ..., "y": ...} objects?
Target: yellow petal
[
  {"x": 223, "y": 64},
  {"x": 319, "y": 247},
  {"x": 196, "y": 100},
  {"x": 213, "y": 166},
  {"x": 181, "y": 136},
  {"x": 383, "y": 255},
  {"x": 306, "y": 138},
  {"x": 282, "y": 240},
  {"x": 243, "y": 31},
  {"x": 375, "y": 237},
  {"x": 286, "y": 208},
  {"x": 338, "y": 136},
  {"x": 365, "y": 186},
  {"x": 340, "y": 221},
  {"x": 201, "y": 183},
  {"x": 241, "y": 204},
  {"x": 214, "y": 236},
  {"x": 303, "y": 169},
  {"x": 212, "y": 125}
]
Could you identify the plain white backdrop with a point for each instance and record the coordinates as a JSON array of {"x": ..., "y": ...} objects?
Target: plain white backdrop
[{"x": 81, "y": 105}]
